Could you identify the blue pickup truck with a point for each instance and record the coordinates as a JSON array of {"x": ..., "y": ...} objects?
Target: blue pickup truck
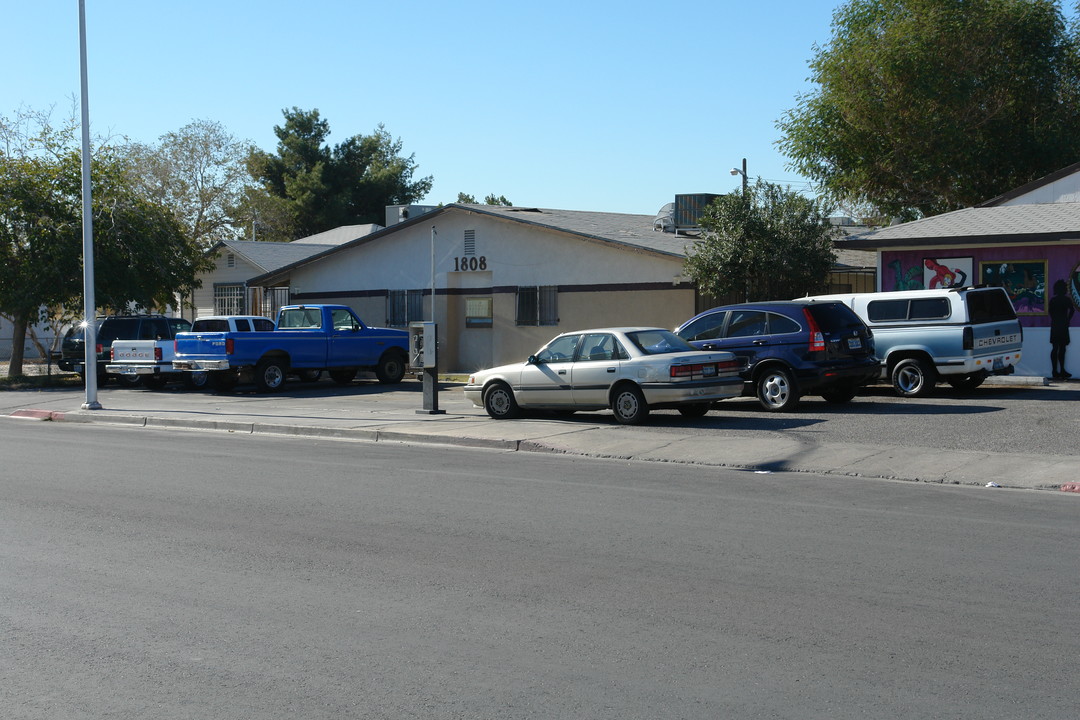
[{"x": 308, "y": 339}]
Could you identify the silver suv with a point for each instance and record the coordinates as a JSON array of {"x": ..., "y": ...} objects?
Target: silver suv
[{"x": 958, "y": 335}]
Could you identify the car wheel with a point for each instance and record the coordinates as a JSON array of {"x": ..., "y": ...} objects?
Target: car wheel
[
  {"x": 196, "y": 380},
  {"x": 269, "y": 375},
  {"x": 628, "y": 404},
  {"x": 777, "y": 391},
  {"x": 128, "y": 381},
  {"x": 342, "y": 377},
  {"x": 694, "y": 411},
  {"x": 309, "y": 376},
  {"x": 499, "y": 401},
  {"x": 912, "y": 377},
  {"x": 154, "y": 382},
  {"x": 391, "y": 368},
  {"x": 966, "y": 383},
  {"x": 839, "y": 394}
]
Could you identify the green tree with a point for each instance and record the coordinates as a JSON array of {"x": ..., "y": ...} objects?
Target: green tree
[
  {"x": 466, "y": 199},
  {"x": 142, "y": 257},
  {"x": 768, "y": 244},
  {"x": 200, "y": 172},
  {"x": 927, "y": 106},
  {"x": 325, "y": 187}
]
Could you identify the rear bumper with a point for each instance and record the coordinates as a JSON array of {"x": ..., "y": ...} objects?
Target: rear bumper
[
  {"x": 696, "y": 391},
  {"x": 863, "y": 373},
  {"x": 201, "y": 365},
  {"x": 139, "y": 369}
]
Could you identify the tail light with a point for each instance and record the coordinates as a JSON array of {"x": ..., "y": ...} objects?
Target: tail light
[
  {"x": 229, "y": 346},
  {"x": 99, "y": 349},
  {"x": 157, "y": 354},
  {"x": 969, "y": 338},
  {"x": 704, "y": 369},
  {"x": 817, "y": 339},
  {"x": 112, "y": 354},
  {"x": 175, "y": 347}
]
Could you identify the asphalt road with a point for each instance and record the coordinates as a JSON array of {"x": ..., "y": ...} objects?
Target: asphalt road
[{"x": 206, "y": 575}]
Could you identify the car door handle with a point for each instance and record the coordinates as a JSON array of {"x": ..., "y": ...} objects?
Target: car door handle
[
  {"x": 760, "y": 342},
  {"x": 611, "y": 370},
  {"x": 562, "y": 372}
]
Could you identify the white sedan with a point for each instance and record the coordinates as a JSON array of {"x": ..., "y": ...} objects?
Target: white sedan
[{"x": 630, "y": 370}]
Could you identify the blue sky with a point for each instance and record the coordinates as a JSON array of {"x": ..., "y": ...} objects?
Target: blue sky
[{"x": 588, "y": 105}]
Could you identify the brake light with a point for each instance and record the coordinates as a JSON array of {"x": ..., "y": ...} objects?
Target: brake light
[
  {"x": 99, "y": 349},
  {"x": 969, "y": 338},
  {"x": 817, "y": 339},
  {"x": 229, "y": 346},
  {"x": 157, "y": 354},
  {"x": 112, "y": 354},
  {"x": 703, "y": 369}
]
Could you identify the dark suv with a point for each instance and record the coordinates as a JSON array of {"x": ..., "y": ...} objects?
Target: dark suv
[
  {"x": 790, "y": 349},
  {"x": 116, "y": 327}
]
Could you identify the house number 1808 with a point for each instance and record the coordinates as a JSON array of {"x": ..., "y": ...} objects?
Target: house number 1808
[{"x": 473, "y": 263}]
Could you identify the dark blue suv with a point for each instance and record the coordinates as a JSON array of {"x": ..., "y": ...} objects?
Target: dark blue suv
[{"x": 790, "y": 349}]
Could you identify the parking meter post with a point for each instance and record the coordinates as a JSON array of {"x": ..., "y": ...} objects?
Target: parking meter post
[{"x": 427, "y": 357}]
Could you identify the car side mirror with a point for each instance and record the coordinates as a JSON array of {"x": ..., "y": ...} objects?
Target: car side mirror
[
  {"x": 533, "y": 360},
  {"x": 710, "y": 346}
]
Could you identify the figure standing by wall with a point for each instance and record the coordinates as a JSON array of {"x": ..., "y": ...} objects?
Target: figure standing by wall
[{"x": 1061, "y": 313}]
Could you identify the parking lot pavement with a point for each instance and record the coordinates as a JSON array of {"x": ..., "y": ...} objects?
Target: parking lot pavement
[{"x": 733, "y": 436}]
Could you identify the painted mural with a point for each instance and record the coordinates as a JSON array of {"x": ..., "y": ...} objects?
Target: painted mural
[
  {"x": 1074, "y": 286},
  {"x": 947, "y": 272},
  {"x": 1024, "y": 281}
]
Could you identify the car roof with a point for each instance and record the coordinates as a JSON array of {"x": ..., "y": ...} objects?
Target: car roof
[{"x": 627, "y": 329}]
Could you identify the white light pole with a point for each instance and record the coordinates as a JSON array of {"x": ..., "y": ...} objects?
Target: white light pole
[
  {"x": 737, "y": 171},
  {"x": 89, "y": 301}
]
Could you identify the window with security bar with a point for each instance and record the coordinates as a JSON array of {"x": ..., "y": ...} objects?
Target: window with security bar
[
  {"x": 229, "y": 300},
  {"x": 538, "y": 305},
  {"x": 404, "y": 307}
]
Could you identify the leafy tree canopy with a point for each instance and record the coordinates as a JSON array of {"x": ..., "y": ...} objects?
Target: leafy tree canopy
[
  {"x": 143, "y": 258},
  {"x": 323, "y": 186},
  {"x": 200, "y": 172},
  {"x": 926, "y": 106},
  {"x": 491, "y": 199},
  {"x": 770, "y": 243}
]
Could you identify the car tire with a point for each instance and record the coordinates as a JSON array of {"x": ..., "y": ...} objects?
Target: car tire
[
  {"x": 912, "y": 378},
  {"x": 628, "y": 404},
  {"x": 127, "y": 381},
  {"x": 966, "y": 383},
  {"x": 694, "y": 411},
  {"x": 776, "y": 390},
  {"x": 309, "y": 376},
  {"x": 196, "y": 380},
  {"x": 342, "y": 377},
  {"x": 499, "y": 401},
  {"x": 154, "y": 382},
  {"x": 839, "y": 394},
  {"x": 270, "y": 375},
  {"x": 391, "y": 368}
]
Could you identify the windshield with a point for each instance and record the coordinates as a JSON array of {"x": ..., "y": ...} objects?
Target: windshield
[{"x": 659, "y": 342}]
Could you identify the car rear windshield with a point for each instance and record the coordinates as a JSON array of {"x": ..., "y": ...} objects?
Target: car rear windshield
[
  {"x": 991, "y": 305},
  {"x": 210, "y": 325},
  {"x": 659, "y": 342},
  {"x": 833, "y": 317}
]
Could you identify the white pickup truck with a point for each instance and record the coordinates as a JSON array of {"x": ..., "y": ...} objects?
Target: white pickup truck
[{"x": 152, "y": 360}]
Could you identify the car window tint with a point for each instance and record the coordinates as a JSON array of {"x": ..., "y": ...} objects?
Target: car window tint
[
  {"x": 263, "y": 324},
  {"x": 242, "y": 325},
  {"x": 928, "y": 309},
  {"x": 118, "y": 328},
  {"x": 834, "y": 317},
  {"x": 659, "y": 342},
  {"x": 746, "y": 323},
  {"x": 781, "y": 325},
  {"x": 598, "y": 346},
  {"x": 989, "y": 306},
  {"x": 208, "y": 325},
  {"x": 707, "y": 327},
  {"x": 177, "y": 325},
  {"x": 884, "y": 310},
  {"x": 560, "y": 349}
]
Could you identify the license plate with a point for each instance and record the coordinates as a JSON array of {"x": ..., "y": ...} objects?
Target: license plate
[
  {"x": 708, "y": 370},
  {"x": 854, "y": 343},
  {"x": 998, "y": 363}
]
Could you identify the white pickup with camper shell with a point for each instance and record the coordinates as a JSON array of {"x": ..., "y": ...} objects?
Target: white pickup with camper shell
[{"x": 958, "y": 335}]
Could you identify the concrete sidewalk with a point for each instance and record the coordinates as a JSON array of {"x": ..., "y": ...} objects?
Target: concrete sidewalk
[{"x": 375, "y": 413}]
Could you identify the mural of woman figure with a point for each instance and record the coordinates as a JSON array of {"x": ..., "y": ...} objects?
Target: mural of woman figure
[{"x": 1061, "y": 312}]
